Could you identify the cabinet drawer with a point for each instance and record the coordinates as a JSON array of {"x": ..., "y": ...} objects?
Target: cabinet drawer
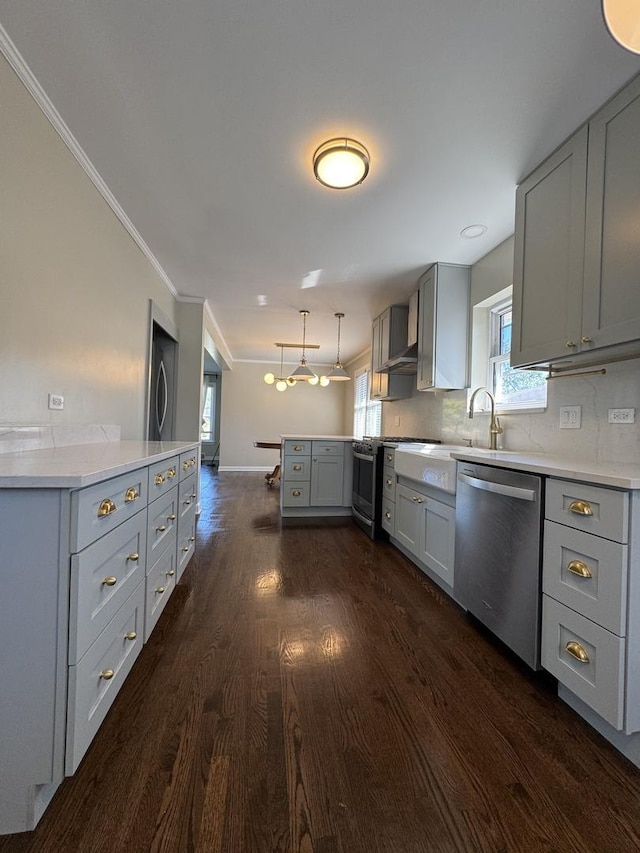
[
  {"x": 186, "y": 541},
  {"x": 297, "y": 448},
  {"x": 587, "y": 573},
  {"x": 188, "y": 463},
  {"x": 295, "y": 495},
  {"x": 103, "y": 577},
  {"x": 162, "y": 524},
  {"x": 297, "y": 469},
  {"x": 607, "y": 509},
  {"x": 98, "y": 509},
  {"x": 162, "y": 477},
  {"x": 598, "y": 680},
  {"x": 327, "y": 448},
  {"x": 161, "y": 580},
  {"x": 388, "y": 516},
  {"x": 389, "y": 483},
  {"x": 389, "y": 456},
  {"x": 187, "y": 496},
  {"x": 95, "y": 681}
]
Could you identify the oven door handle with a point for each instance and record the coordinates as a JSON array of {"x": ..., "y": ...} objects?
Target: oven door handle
[
  {"x": 362, "y": 517},
  {"x": 362, "y": 456}
]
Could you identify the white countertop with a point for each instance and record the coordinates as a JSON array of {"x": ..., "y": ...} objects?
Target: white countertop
[
  {"x": 298, "y": 437},
  {"x": 81, "y": 465}
]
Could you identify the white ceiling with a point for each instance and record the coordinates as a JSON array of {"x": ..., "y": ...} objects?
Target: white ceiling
[{"x": 202, "y": 115}]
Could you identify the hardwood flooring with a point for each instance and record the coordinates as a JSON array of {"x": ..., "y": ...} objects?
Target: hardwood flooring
[{"x": 309, "y": 691}]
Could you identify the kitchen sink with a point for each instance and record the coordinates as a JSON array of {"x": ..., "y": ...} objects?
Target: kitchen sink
[{"x": 434, "y": 464}]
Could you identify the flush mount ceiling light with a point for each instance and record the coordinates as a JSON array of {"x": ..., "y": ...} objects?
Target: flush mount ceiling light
[
  {"x": 341, "y": 163},
  {"x": 472, "y": 231},
  {"x": 338, "y": 373},
  {"x": 622, "y": 18}
]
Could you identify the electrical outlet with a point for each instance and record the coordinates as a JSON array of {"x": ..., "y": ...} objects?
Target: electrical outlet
[
  {"x": 56, "y": 401},
  {"x": 622, "y": 416},
  {"x": 570, "y": 417},
  {"x": 396, "y": 420}
]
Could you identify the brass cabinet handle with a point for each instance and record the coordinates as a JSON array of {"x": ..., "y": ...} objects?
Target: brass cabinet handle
[
  {"x": 160, "y": 590},
  {"x": 171, "y": 517},
  {"x": 185, "y": 549},
  {"x": 185, "y": 466},
  {"x": 297, "y": 467},
  {"x": 186, "y": 503},
  {"x": 570, "y": 344},
  {"x": 111, "y": 580},
  {"x": 161, "y": 528},
  {"x": 170, "y": 573},
  {"x": 389, "y": 457},
  {"x": 159, "y": 479},
  {"x": 193, "y": 495},
  {"x": 577, "y": 651},
  {"x": 389, "y": 481},
  {"x": 107, "y": 674},
  {"x": 130, "y": 635},
  {"x": 297, "y": 447},
  {"x": 134, "y": 557},
  {"x": 296, "y": 493},
  {"x": 192, "y": 539},
  {"x": 171, "y": 473},
  {"x": 586, "y": 340},
  {"x": 387, "y": 515},
  {"x": 107, "y": 507},
  {"x": 192, "y": 461},
  {"x": 581, "y": 508},
  {"x": 131, "y": 494},
  {"x": 577, "y": 567},
  {"x": 418, "y": 500}
]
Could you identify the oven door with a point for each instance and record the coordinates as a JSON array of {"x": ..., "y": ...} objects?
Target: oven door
[{"x": 363, "y": 495}]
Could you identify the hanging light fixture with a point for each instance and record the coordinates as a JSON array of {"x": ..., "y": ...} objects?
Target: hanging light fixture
[
  {"x": 341, "y": 163},
  {"x": 622, "y": 18},
  {"x": 338, "y": 373},
  {"x": 282, "y": 382},
  {"x": 303, "y": 371}
]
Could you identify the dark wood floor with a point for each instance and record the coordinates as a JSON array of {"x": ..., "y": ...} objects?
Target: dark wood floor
[{"x": 308, "y": 690}]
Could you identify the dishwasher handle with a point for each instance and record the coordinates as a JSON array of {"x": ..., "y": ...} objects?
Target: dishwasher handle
[{"x": 498, "y": 488}]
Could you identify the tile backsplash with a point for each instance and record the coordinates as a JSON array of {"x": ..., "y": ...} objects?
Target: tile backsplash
[
  {"x": 444, "y": 415},
  {"x": 17, "y": 437}
]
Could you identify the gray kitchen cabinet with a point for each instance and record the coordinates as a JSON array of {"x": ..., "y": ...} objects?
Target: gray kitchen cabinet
[
  {"x": 327, "y": 475},
  {"x": 575, "y": 265},
  {"x": 389, "y": 336},
  {"x": 443, "y": 324},
  {"x": 316, "y": 477},
  {"x": 425, "y": 526}
]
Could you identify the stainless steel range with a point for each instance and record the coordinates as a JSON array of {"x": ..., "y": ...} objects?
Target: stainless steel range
[{"x": 366, "y": 502}]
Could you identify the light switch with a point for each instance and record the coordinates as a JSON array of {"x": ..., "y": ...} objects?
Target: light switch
[{"x": 570, "y": 417}]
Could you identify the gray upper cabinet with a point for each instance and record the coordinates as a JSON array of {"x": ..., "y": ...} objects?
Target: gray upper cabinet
[
  {"x": 577, "y": 254},
  {"x": 443, "y": 328},
  {"x": 388, "y": 336}
]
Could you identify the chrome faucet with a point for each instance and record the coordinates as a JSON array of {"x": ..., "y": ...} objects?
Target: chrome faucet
[{"x": 494, "y": 424}]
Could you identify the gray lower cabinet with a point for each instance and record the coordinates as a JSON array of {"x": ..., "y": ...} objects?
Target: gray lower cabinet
[
  {"x": 425, "y": 527},
  {"x": 316, "y": 477},
  {"x": 327, "y": 477},
  {"x": 571, "y": 252}
]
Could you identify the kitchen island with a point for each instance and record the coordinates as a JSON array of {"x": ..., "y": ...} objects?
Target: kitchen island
[{"x": 316, "y": 476}]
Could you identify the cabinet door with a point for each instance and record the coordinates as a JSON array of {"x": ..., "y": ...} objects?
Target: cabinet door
[
  {"x": 437, "y": 538},
  {"x": 408, "y": 518},
  {"x": 427, "y": 329},
  {"x": 327, "y": 473},
  {"x": 379, "y": 381},
  {"x": 612, "y": 250},
  {"x": 548, "y": 260}
]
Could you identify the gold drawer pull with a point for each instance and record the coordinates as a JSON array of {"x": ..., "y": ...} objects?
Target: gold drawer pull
[
  {"x": 130, "y": 635},
  {"x": 577, "y": 567},
  {"x": 186, "y": 503},
  {"x": 131, "y": 495},
  {"x": 389, "y": 457},
  {"x": 170, "y": 573},
  {"x": 161, "y": 528},
  {"x": 296, "y": 493},
  {"x": 107, "y": 507},
  {"x": 585, "y": 339},
  {"x": 110, "y": 581},
  {"x": 193, "y": 495},
  {"x": 577, "y": 651},
  {"x": 171, "y": 473},
  {"x": 185, "y": 549},
  {"x": 159, "y": 479},
  {"x": 160, "y": 590},
  {"x": 387, "y": 515},
  {"x": 107, "y": 674},
  {"x": 171, "y": 517},
  {"x": 570, "y": 344},
  {"x": 389, "y": 481},
  {"x": 134, "y": 557},
  {"x": 581, "y": 508},
  {"x": 192, "y": 461},
  {"x": 185, "y": 466},
  {"x": 192, "y": 539},
  {"x": 297, "y": 467},
  {"x": 297, "y": 447}
]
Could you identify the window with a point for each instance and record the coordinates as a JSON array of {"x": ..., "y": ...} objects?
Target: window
[
  {"x": 367, "y": 414},
  {"x": 209, "y": 395},
  {"x": 512, "y": 388}
]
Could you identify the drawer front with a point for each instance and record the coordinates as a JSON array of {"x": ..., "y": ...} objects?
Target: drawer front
[
  {"x": 389, "y": 483},
  {"x": 607, "y": 510},
  {"x": 163, "y": 476},
  {"x": 92, "y": 688},
  {"x": 187, "y": 496},
  {"x": 587, "y": 573},
  {"x": 186, "y": 542},
  {"x": 295, "y": 495},
  {"x": 389, "y": 516},
  {"x": 389, "y": 456},
  {"x": 188, "y": 463},
  {"x": 297, "y": 468},
  {"x": 162, "y": 525},
  {"x": 297, "y": 448},
  {"x": 599, "y": 680},
  {"x": 327, "y": 448},
  {"x": 103, "y": 577},
  {"x": 161, "y": 581},
  {"x": 98, "y": 509}
]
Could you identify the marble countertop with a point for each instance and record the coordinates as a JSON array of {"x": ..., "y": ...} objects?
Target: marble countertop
[
  {"x": 80, "y": 465},
  {"x": 298, "y": 437}
]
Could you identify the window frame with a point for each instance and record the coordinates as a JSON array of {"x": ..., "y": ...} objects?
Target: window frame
[{"x": 371, "y": 409}]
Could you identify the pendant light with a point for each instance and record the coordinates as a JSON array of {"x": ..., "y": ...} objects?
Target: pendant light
[
  {"x": 622, "y": 18},
  {"x": 303, "y": 371},
  {"x": 282, "y": 382},
  {"x": 338, "y": 373}
]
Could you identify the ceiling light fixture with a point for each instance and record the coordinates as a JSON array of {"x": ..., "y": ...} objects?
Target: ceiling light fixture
[
  {"x": 303, "y": 371},
  {"x": 472, "y": 231},
  {"x": 282, "y": 382},
  {"x": 341, "y": 163},
  {"x": 622, "y": 18},
  {"x": 338, "y": 373}
]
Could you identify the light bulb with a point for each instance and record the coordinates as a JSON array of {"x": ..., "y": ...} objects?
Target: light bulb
[
  {"x": 313, "y": 380},
  {"x": 291, "y": 382},
  {"x": 324, "y": 381},
  {"x": 281, "y": 385},
  {"x": 269, "y": 378}
]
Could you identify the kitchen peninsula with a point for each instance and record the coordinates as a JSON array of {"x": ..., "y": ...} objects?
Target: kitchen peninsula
[
  {"x": 316, "y": 476},
  {"x": 94, "y": 538}
]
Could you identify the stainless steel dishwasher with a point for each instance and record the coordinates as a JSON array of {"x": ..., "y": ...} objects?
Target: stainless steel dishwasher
[{"x": 498, "y": 555}]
